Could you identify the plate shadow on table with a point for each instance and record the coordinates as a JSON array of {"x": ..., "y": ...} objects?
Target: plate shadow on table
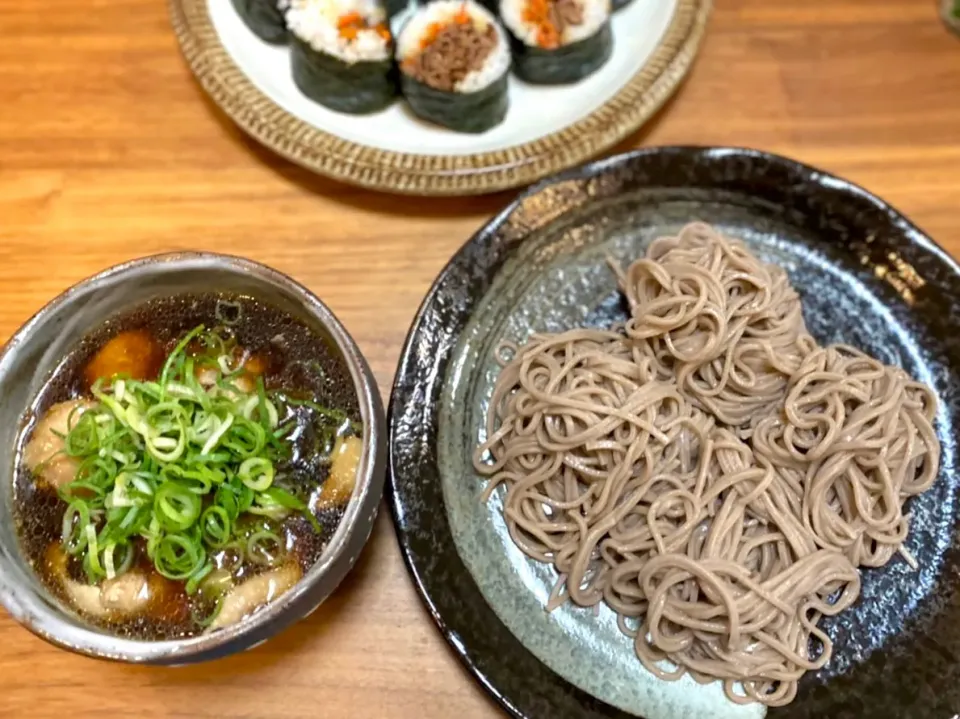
[{"x": 394, "y": 204}]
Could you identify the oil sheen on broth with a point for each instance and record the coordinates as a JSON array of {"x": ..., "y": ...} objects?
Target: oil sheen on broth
[{"x": 205, "y": 536}]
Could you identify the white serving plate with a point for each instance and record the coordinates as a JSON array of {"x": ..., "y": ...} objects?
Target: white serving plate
[{"x": 547, "y": 128}]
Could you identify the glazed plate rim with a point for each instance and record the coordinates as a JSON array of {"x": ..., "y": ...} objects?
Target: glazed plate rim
[
  {"x": 422, "y": 373},
  {"x": 438, "y": 174}
]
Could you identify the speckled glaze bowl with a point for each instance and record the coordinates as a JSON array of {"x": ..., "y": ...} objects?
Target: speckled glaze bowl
[
  {"x": 76, "y": 312},
  {"x": 866, "y": 275}
]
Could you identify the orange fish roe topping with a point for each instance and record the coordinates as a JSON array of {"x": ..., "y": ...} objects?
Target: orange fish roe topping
[
  {"x": 351, "y": 19},
  {"x": 548, "y": 37},
  {"x": 537, "y": 13},
  {"x": 350, "y": 25},
  {"x": 430, "y": 34},
  {"x": 551, "y": 18}
]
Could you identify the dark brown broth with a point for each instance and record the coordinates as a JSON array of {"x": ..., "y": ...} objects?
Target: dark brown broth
[{"x": 299, "y": 362}]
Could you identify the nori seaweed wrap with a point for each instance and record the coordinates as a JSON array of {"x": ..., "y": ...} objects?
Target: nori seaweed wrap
[
  {"x": 341, "y": 54},
  {"x": 492, "y": 5},
  {"x": 396, "y": 7},
  {"x": 555, "y": 42},
  {"x": 619, "y": 4},
  {"x": 468, "y": 112},
  {"x": 265, "y": 18},
  {"x": 454, "y": 64}
]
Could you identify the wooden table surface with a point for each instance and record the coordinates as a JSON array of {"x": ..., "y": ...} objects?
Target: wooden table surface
[{"x": 109, "y": 150}]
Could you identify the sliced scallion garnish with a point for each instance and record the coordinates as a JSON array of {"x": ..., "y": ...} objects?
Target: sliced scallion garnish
[{"x": 178, "y": 463}]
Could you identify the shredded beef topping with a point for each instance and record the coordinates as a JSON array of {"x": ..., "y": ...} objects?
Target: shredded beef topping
[
  {"x": 566, "y": 13},
  {"x": 450, "y": 53}
]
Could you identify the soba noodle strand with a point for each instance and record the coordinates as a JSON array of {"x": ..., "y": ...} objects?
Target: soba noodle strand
[{"x": 731, "y": 325}]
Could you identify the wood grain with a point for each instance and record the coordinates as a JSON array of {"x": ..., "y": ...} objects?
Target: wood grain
[{"x": 109, "y": 150}]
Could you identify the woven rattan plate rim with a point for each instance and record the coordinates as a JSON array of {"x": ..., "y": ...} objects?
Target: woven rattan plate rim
[{"x": 415, "y": 174}]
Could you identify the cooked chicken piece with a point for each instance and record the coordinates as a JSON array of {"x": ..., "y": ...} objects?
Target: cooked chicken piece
[
  {"x": 84, "y": 597},
  {"x": 253, "y": 367},
  {"x": 44, "y": 454},
  {"x": 119, "y": 597},
  {"x": 253, "y": 593},
  {"x": 207, "y": 376},
  {"x": 339, "y": 486},
  {"x": 126, "y": 594}
]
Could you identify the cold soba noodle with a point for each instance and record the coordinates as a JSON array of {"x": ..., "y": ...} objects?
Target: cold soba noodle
[
  {"x": 707, "y": 470},
  {"x": 189, "y": 463}
]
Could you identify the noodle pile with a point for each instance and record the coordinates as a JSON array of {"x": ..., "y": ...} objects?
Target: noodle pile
[
  {"x": 728, "y": 327},
  {"x": 707, "y": 470}
]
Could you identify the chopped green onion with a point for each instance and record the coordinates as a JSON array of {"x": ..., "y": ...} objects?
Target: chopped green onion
[
  {"x": 220, "y": 429},
  {"x": 206, "y": 621},
  {"x": 215, "y": 523},
  {"x": 80, "y": 488},
  {"x": 283, "y": 498},
  {"x": 177, "y": 556},
  {"x": 257, "y": 473},
  {"x": 75, "y": 521},
  {"x": 84, "y": 438},
  {"x": 91, "y": 560},
  {"x": 231, "y": 557},
  {"x": 174, "y": 356},
  {"x": 113, "y": 567},
  {"x": 264, "y": 547},
  {"x": 176, "y": 506},
  {"x": 183, "y": 465},
  {"x": 194, "y": 581}
]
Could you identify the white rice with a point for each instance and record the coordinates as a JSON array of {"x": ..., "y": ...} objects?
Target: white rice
[
  {"x": 443, "y": 11},
  {"x": 595, "y": 14},
  {"x": 315, "y": 22}
]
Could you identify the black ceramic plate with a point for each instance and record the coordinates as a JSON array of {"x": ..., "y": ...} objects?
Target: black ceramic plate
[{"x": 867, "y": 277}]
